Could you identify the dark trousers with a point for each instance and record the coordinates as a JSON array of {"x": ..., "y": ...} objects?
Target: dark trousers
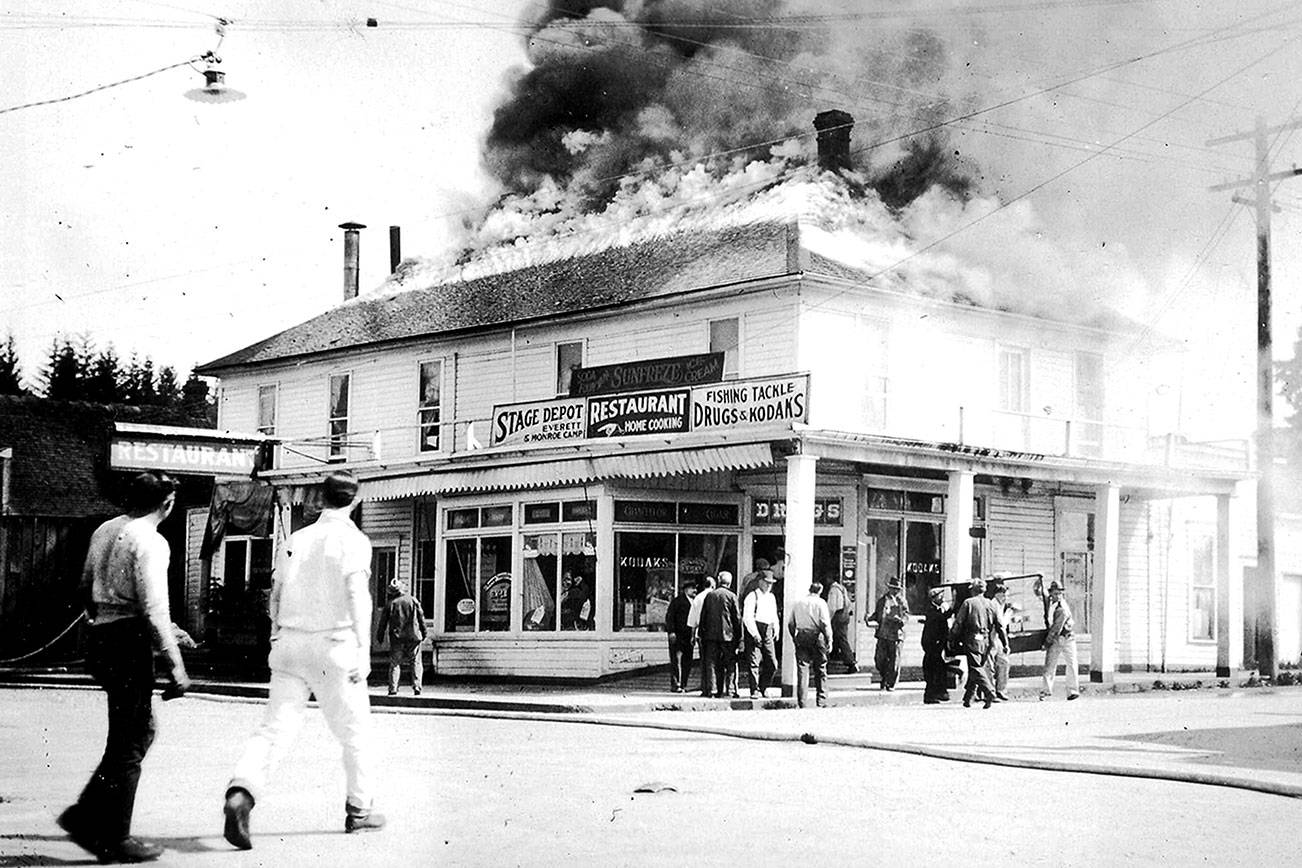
[
  {"x": 761, "y": 658},
  {"x": 842, "y": 649},
  {"x": 936, "y": 675},
  {"x": 978, "y": 677},
  {"x": 718, "y": 667},
  {"x": 887, "y": 659},
  {"x": 122, "y": 659},
  {"x": 680, "y": 660},
  {"x": 811, "y": 660}
]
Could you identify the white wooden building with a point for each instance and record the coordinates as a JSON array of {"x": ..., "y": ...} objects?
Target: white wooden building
[{"x": 866, "y": 429}]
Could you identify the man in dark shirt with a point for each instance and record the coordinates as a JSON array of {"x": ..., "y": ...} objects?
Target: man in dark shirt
[
  {"x": 680, "y": 639},
  {"x": 403, "y": 624},
  {"x": 720, "y": 631}
]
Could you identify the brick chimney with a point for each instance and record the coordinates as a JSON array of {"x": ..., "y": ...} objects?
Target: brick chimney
[
  {"x": 833, "y": 139},
  {"x": 352, "y": 253},
  {"x": 395, "y": 248}
]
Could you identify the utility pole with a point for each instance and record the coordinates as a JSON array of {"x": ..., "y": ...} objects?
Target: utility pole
[{"x": 1266, "y": 617}]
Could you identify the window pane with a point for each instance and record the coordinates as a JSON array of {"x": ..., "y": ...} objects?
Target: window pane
[
  {"x": 880, "y": 498},
  {"x": 724, "y": 339},
  {"x": 495, "y": 583},
  {"x": 338, "y": 395},
  {"x": 916, "y": 501},
  {"x": 578, "y": 581},
  {"x": 497, "y": 516},
  {"x": 568, "y": 357},
  {"x": 459, "y": 519},
  {"x": 235, "y": 576},
  {"x": 458, "y": 590},
  {"x": 431, "y": 379},
  {"x": 266, "y": 409},
  {"x": 702, "y": 555},
  {"x": 261, "y": 553},
  {"x": 538, "y": 581},
  {"x": 644, "y": 580},
  {"x": 384, "y": 569},
  {"x": 886, "y": 533},
  {"x": 1202, "y": 623},
  {"x": 424, "y": 590},
  {"x": 922, "y": 557}
]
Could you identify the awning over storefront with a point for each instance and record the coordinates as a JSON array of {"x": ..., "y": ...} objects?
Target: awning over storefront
[{"x": 570, "y": 471}]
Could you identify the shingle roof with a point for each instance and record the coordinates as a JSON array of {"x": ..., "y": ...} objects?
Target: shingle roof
[
  {"x": 616, "y": 275},
  {"x": 61, "y": 451}
]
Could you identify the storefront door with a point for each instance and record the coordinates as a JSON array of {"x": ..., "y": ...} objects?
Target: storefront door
[{"x": 907, "y": 548}]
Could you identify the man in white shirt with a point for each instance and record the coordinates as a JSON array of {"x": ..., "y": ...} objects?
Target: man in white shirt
[
  {"x": 694, "y": 619},
  {"x": 320, "y": 644},
  {"x": 760, "y": 619},
  {"x": 810, "y": 625},
  {"x": 1060, "y": 641},
  {"x": 125, "y": 584}
]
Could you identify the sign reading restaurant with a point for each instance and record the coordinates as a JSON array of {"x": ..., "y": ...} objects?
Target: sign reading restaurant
[
  {"x": 200, "y": 457},
  {"x": 735, "y": 405}
]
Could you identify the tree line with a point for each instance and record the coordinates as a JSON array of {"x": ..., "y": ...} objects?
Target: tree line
[{"x": 76, "y": 370}]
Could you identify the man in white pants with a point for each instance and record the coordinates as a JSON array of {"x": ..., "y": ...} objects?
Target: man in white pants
[
  {"x": 320, "y": 644},
  {"x": 1059, "y": 641}
]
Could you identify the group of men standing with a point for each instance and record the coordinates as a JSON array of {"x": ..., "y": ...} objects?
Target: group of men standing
[
  {"x": 320, "y": 645},
  {"x": 728, "y": 631}
]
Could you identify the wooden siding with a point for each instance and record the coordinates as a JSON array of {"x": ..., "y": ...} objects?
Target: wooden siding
[
  {"x": 41, "y": 566},
  {"x": 547, "y": 658},
  {"x": 1019, "y": 531}
]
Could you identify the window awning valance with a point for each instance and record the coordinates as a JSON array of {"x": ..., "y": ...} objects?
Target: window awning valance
[{"x": 569, "y": 471}]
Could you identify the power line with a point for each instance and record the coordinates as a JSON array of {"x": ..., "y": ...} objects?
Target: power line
[{"x": 102, "y": 87}]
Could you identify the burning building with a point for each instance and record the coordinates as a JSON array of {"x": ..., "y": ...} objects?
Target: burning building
[{"x": 661, "y": 356}]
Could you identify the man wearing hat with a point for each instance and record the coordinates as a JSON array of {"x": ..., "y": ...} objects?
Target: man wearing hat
[
  {"x": 974, "y": 626},
  {"x": 1059, "y": 641},
  {"x": 996, "y": 590},
  {"x": 320, "y": 644},
  {"x": 759, "y": 617},
  {"x": 891, "y": 614},
  {"x": 935, "y": 639}
]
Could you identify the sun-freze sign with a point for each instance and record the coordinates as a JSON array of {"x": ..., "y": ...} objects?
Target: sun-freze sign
[{"x": 732, "y": 405}]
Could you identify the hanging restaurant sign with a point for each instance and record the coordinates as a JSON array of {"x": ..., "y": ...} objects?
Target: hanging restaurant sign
[
  {"x": 735, "y": 405},
  {"x": 199, "y": 457},
  {"x": 674, "y": 372}
]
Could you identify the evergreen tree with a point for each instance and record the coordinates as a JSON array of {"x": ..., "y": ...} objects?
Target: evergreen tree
[
  {"x": 169, "y": 391},
  {"x": 194, "y": 399},
  {"x": 104, "y": 383},
  {"x": 11, "y": 375},
  {"x": 64, "y": 375}
]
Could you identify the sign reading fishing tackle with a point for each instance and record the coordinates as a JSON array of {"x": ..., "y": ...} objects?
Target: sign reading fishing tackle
[{"x": 734, "y": 405}]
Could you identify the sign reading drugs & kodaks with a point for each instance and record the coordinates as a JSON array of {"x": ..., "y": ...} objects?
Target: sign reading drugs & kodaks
[{"x": 735, "y": 405}]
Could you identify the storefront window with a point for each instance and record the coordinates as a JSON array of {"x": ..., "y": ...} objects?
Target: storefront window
[
  {"x": 1202, "y": 596},
  {"x": 559, "y": 567},
  {"x": 651, "y": 566},
  {"x": 477, "y": 591}
]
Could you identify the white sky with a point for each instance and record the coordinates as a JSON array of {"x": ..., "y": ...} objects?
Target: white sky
[{"x": 185, "y": 231}]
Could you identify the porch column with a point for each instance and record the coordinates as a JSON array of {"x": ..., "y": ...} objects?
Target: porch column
[
  {"x": 958, "y": 523},
  {"x": 1103, "y": 613},
  {"x": 1229, "y": 606},
  {"x": 799, "y": 544}
]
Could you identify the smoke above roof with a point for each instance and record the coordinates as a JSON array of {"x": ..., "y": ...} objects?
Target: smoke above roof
[{"x": 621, "y": 88}]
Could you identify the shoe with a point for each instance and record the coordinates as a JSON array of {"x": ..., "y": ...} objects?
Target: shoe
[
  {"x": 415, "y": 691},
  {"x": 756, "y": 695},
  {"x": 990, "y": 700},
  {"x": 705, "y": 695},
  {"x": 967, "y": 702},
  {"x": 943, "y": 697},
  {"x": 892, "y": 687},
  {"x": 1044, "y": 696},
  {"x": 129, "y": 850},
  {"x": 371, "y": 821},
  {"x": 734, "y": 695},
  {"x": 74, "y": 823},
  {"x": 930, "y": 701},
  {"x": 1002, "y": 697},
  {"x": 1071, "y": 696},
  {"x": 392, "y": 692},
  {"x": 238, "y": 805}
]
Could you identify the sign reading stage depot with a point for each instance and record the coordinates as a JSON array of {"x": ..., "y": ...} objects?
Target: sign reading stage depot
[{"x": 736, "y": 405}]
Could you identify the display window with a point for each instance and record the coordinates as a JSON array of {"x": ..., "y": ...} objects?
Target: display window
[
  {"x": 477, "y": 570},
  {"x": 652, "y": 565},
  {"x": 558, "y": 581}
]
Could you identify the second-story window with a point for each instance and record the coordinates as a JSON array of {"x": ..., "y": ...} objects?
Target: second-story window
[
  {"x": 1013, "y": 396},
  {"x": 340, "y": 387},
  {"x": 725, "y": 337},
  {"x": 431, "y": 404},
  {"x": 267, "y": 410},
  {"x": 568, "y": 357}
]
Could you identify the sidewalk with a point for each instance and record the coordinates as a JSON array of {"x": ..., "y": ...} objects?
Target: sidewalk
[{"x": 642, "y": 692}]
